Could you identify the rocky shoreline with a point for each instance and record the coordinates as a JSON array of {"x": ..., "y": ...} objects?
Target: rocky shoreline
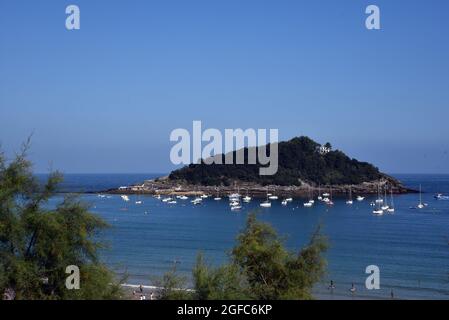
[{"x": 166, "y": 187}]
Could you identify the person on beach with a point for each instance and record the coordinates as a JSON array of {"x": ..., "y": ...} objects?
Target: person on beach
[
  {"x": 141, "y": 288},
  {"x": 353, "y": 289},
  {"x": 332, "y": 286},
  {"x": 151, "y": 295}
]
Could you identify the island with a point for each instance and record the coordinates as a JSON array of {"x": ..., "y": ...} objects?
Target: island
[{"x": 305, "y": 167}]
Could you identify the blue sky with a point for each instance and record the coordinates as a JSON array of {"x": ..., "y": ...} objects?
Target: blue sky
[{"x": 105, "y": 98}]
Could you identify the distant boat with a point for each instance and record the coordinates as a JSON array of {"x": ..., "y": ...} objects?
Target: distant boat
[
  {"x": 350, "y": 201},
  {"x": 158, "y": 197},
  {"x": 172, "y": 202},
  {"x": 204, "y": 196},
  {"x": 391, "y": 208},
  {"x": 197, "y": 201},
  {"x": 247, "y": 198},
  {"x": 284, "y": 202},
  {"x": 308, "y": 204},
  {"x": 420, "y": 205},
  {"x": 217, "y": 197},
  {"x": 266, "y": 203},
  {"x": 138, "y": 202},
  {"x": 183, "y": 198},
  {"x": 167, "y": 199},
  {"x": 320, "y": 198},
  {"x": 360, "y": 198},
  {"x": 378, "y": 211},
  {"x": 330, "y": 202},
  {"x": 125, "y": 198},
  {"x": 379, "y": 198},
  {"x": 385, "y": 206},
  {"x": 440, "y": 196},
  {"x": 289, "y": 199},
  {"x": 236, "y": 207}
]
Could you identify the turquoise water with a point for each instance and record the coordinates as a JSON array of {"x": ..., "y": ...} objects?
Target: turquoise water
[{"x": 411, "y": 247}]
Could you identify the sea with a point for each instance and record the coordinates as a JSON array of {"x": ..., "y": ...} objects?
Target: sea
[{"x": 410, "y": 247}]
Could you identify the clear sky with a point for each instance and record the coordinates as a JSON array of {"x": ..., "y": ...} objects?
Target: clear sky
[{"x": 106, "y": 97}]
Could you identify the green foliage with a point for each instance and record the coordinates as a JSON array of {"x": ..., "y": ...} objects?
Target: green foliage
[
  {"x": 299, "y": 160},
  {"x": 260, "y": 268},
  {"x": 172, "y": 286},
  {"x": 37, "y": 244}
]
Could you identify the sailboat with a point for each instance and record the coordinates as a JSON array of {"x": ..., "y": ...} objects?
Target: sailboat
[
  {"x": 391, "y": 208},
  {"x": 217, "y": 197},
  {"x": 125, "y": 198},
  {"x": 349, "y": 201},
  {"x": 319, "y": 193},
  {"x": 247, "y": 198},
  {"x": 385, "y": 206},
  {"x": 310, "y": 203},
  {"x": 330, "y": 202},
  {"x": 266, "y": 203},
  {"x": 420, "y": 205},
  {"x": 379, "y": 198},
  {"x": 274, "y": 196},
  {"x": 378, "y": 211}
]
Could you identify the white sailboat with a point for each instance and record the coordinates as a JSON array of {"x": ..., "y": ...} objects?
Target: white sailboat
[
  {"x": 379, "y": 198},
  {"x": 247, "y": 198},
  {"x": 330, "y": 202},
  {"x": 350, "y": 201},
  {"x": 320, "y": 198},
  {"x": 420, "y": 205},
  {"x": 391, "y": 208},
  {"x": 125, "y": 198},
  {"x": 378, "y": 211},
  {"x": 360, "y": 198},
  {"x": 266, "y": 203},
  {"x": 310, "y": 203},
  {"x": 385, "y": 206}
]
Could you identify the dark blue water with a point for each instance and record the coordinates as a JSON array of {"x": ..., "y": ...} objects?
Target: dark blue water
[{"x": 411, "y": 247}]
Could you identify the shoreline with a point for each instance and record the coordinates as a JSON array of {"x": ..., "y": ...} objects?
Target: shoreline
[{"x": 166, "y": 187}]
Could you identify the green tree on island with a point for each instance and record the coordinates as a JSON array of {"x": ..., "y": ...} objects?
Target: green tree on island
[
  {"x": 260, "y": 268},
  {"x": 37, "y": 244}
]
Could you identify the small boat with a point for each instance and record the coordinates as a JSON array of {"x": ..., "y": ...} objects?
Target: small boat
[
  {"x": 266, "y": 204},
  {"x": 379, "y": 198},
  {"x": 234, "y": 203},
  {"x": 183, "y": 198},
  {"x": 391, "y": 207},
  {"x": 273, "y": 198},
  {"x": 330, "y": 202},
  {"x": 378, "y": 212},
  {"x": 138, "y": 202},
  {"x": 197, "y": 201},
  {"x": 421, "y": 205},
  {"x": 385, "y": 206},
  {"x": 350, "y": 201},
  {"x": 360, "y": 198},
  {"x": 158, "y": 197},
  {"x": 289, "y": 199},
  {"x": 125, "y": 198},
  {"x": 235, "y": 208},
  {"x": 284, "y": 202},
  {"x": 172, "y": 202},
  {"x": 204, "y": 196},
  {"x": 167, "y": 199},
  {"x": 308, "y": 204},
  {"x": 320, "y": 198},
  {"x": 440, "y": 196},
  {"x": 247, "y": 198},
  {"x": 217, "y": 197}
]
